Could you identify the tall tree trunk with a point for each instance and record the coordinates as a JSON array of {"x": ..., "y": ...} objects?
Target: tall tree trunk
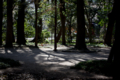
[
  {"x": 20, "y": 24},
  {"x": 115, "y": 48},
  {"x": 116, "y": 51},
  {"x": 62, "y": 9},
  {"x": 1, "y": 18},
  {"x": 109, "y": 31},
  {"x": 116, "y": 61},
  {"x": 55, "y": 43},
  {"x": 69, "y": 29},
  {"x": 9, "y": 33},
  {"x": 80, "y": 39},
  {"x": 39, "y": 31},
  {"x": 36, "y": 27},
  {"x": 90, "y": 31}
]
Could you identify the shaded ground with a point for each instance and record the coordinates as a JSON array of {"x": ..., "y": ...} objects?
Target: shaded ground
[{"x": 45, "y": 64}]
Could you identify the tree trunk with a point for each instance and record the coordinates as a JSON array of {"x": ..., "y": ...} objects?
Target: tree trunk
[
  {"x": 36, "y": 27},
  {"x": 69, "y": 34},
  {"x": 55, "y": 43},
  {"x": 80, "y": 39},
  {"x": 116, "y": 51},
  {"x": 1, "y": 18},
  {"x": 115, "y": 48},
  {"x": 109, "y": 31},
  {"x": 59, "y": 35},
  {"x": 39, "y": 31},
  {"x": 20, "y": 24},
  {"x": 62, "y": 9},
  {"x": 90, "y": 31},
  {"x": 9, "y": 33}
]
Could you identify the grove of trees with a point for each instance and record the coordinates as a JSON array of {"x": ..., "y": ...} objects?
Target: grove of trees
[
  {"x": 69, "y": 21},
  {"x": 74, "y": 21}
]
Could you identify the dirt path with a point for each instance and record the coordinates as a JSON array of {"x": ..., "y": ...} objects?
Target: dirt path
[{"x": 44, "y": 63}]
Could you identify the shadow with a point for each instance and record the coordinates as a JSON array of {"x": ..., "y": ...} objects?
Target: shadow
[{"x": 46, "y": 63}]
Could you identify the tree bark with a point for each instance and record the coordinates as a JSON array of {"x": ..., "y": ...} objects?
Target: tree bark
[
  {"x": 109, "y": 31},
  {"x": 59, "y": 35},
  {"x": 39, "y": 31},
  {"x": 36, "y": 27},
  {"x": 55, "y": 43},
  {"x": 62, "y": 9},
  {"x": 115, "y": 48},
  {"x": 9, "y": 33},
  {"x": 69, "y": 29},
  {"x": 20, "y": 24},
  {"x": 116, "y": 51},
  {"x": 80, "y": 39},
  {"x": 1, "y": 18}
]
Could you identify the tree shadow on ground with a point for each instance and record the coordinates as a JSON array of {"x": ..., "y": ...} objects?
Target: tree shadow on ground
[{"x": 42, "y": 63}]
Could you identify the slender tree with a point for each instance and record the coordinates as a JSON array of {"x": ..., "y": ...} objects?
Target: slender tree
[
  {"x": 80, "y": 39},
  {"x": 1, "y": 18},
  {"x": 9, "y": 33},
  {"x": 20, "y": 23},
  {"x": 62, "y": 9},
  {"x": 36, "y": 27},
  {"x": 55, "y": 43}
]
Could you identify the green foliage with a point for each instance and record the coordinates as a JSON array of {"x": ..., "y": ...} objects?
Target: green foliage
[
  {"x": 44, "y": 35},
  {"x": 29, "y": 30},
  {"x": 95, "y": 66},
  {"x": 6, "y": 62}
]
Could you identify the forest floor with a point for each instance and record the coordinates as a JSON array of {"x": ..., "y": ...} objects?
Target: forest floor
[{"x": 43, "y": 63}]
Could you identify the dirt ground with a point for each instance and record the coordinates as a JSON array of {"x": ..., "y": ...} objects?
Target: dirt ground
[{"x": 44, "y": 64}]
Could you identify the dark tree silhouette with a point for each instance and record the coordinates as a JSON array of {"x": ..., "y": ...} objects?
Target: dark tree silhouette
[
  {"x": 114, "y": 54},
  {"x": 55, "y": 43},
  {"x": 108, "y": 36},
  {"x": 116, "y": 44},
  {"x": 9, "y": 33},
  {"x": 20, "y": 24},
  {"x": 1, "y": 18},
  {"x": 80, "y": 39},
  {"x": 36, "y": 27},
  {"x": 62, "y": 9}
]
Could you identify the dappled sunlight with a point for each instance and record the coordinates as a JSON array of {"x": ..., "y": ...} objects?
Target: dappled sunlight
[
  {"x": 44, "y": 56},
  {"x": 45, "y": 59},
  {"x": 48, "y": 57},
  {"x": 9, "y": 52}
]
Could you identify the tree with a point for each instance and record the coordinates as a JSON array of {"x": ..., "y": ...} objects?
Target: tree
[
  {"x": 20, "y": 24},
  {"x": 80, "y": 39},
  {"x": 55, "y": 43},
  {"x": 36, "y": 27},
  {"x": 1, "y": 18},
  {"x": 115, "y": 49},
  {"x": 62, "y": 9},
  {"x": 9, "y": 33}
]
